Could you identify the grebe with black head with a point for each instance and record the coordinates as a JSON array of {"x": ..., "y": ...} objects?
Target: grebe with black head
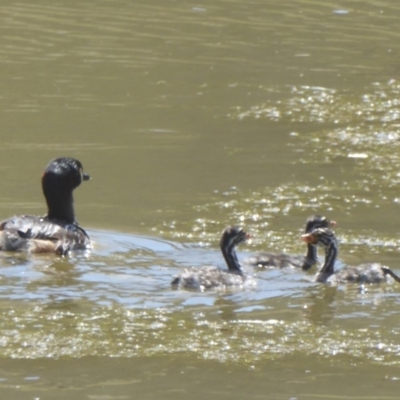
[
  {"x": 210, "y": 277},
  {"x": 364, "y": 273},
  {"x": 283, "y": 260},
  {"x": 58, "y": 230}
]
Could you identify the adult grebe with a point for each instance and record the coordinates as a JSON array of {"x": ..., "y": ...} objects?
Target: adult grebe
[
  {"x": 57, "y": 231},
  {"x": 210, "y": 277},
  {"x": 364, "y": 273},
  {"x": 282, "y": 260}
]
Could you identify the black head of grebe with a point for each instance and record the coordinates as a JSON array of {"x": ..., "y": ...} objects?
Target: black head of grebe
[
  {"x": 59, "y": 180},
  {"x": 314, "y": 222},
  {"x": 231, "y": 237}
]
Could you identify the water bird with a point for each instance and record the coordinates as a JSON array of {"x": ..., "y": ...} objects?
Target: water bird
[
  {"x": 364, "y": 273},
  {"x": 282, "y": 260},
  {"x": 210, "y": 277},
  {"x": 57, "y": 231}
]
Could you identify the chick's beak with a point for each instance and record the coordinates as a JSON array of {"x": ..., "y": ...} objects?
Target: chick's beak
[{"x": 309, "y": 238}]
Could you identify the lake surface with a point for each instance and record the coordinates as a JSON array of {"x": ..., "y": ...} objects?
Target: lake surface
[{"x": 191, "y": 116}]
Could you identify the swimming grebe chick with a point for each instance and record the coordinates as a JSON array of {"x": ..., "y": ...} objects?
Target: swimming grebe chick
[
  {"x": 210, "y": 277},
  {"x": 57, "y": 231},
  {"x": 282, "y": 260},
  {"x": 364, "y": 273}
]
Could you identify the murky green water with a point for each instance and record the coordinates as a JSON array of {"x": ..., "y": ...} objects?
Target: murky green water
[{"x": 189, "y": 117}]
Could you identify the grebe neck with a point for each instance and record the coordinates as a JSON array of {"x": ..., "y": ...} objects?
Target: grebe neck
[
  {"x": 229, "y": 253},
  {"x": 331, "y": 252},
  {"x": 311, "y": 256},
  {"x": 61, "y": 206}
]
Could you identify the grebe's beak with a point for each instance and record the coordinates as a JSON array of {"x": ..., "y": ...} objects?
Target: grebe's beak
[
  {"x": 333, "y": 224},
  {"x": 86, "y": 177}
]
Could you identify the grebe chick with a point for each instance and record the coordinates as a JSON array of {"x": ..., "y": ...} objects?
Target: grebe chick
[
  {"x": 209, "y": 277},
  {"x": 364, "y": 273},
  {"x": 57, "y": 231},
  {"x": 282, "y": 260}
]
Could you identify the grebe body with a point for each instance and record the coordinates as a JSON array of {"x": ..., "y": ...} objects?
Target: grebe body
[
  {"x": 364, "y": 273},
  {"x": 282, "y": 260},
  {"x": 57, "y": 231},
  {"x": 210, "y": 277}
]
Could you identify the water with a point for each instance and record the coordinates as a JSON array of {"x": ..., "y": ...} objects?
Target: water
[{"x": 190, "y": 117}]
